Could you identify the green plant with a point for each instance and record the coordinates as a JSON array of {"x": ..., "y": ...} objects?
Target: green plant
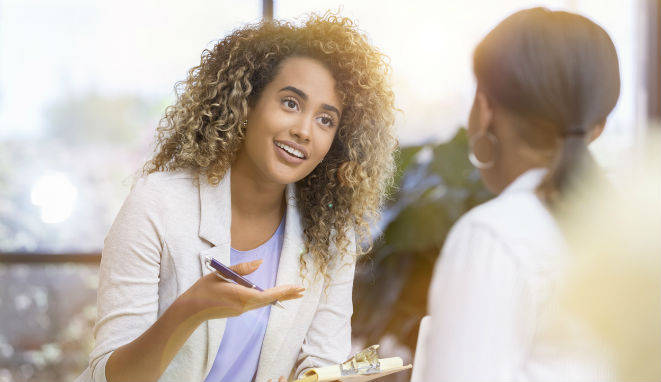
[{"x": 434, "y": 186}]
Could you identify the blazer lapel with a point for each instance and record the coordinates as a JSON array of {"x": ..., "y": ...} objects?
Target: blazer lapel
[
  {"x": 288, "y": 273},
  {"x": 215, "y": 210},
  {"x": 215, "y": 224}
]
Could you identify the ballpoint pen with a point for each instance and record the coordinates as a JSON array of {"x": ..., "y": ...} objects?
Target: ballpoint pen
[{"x": 227, "y": 274}]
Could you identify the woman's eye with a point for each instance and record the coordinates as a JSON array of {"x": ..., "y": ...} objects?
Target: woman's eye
[
  {"x": 290, "y": 103},
  {"x": 326, "y": 121}
]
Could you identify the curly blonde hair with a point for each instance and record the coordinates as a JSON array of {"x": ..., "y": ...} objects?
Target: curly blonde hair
[{"x": 202, "y": 130}]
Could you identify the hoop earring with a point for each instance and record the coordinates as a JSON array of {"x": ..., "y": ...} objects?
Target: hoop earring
[{"x": 471, "y": 154}]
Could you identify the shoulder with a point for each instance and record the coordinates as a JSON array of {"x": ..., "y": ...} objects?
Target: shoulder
[
  {"x": 161, "y": 194},
  {"x": 513, "y": 216},
  {"x": 515, "y": 225},
  {"x": 166, "y": 178},
  {"x": 164, "y": 184}
]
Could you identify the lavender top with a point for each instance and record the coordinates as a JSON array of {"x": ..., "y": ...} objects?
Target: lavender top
[{"x": 240, "y": 347}]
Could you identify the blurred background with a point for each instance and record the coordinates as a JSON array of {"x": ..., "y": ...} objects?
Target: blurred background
[{"x": 83, "y": 84}]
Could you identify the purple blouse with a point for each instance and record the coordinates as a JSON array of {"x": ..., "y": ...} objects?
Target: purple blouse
[{"x": 238, "y": 354}]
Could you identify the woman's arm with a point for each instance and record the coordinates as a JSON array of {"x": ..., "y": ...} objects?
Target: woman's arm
[
  {"x": 155, "y": 348},
  {"x": 207, "y": 299},
  {"x": 480, "y": 309},
  {"x": 127, "y": 296}
]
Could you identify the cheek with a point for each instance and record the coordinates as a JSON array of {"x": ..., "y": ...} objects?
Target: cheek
[
  {"x": 324, "y": 144},
  {"x": 257, "y": 134},
  {"x": 250, "y": 142}
]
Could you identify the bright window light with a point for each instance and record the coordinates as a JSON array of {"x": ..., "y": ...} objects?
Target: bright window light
[{"x": 55, "y": 194}]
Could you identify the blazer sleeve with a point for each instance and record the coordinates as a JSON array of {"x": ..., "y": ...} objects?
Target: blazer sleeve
[
  {"x": 328, "y": 340},
  {"x": 127, "y": 296}
]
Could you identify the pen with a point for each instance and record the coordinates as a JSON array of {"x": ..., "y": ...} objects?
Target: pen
[{"x": 229, "y": 275}]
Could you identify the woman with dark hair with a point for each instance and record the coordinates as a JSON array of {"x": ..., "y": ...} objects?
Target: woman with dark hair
[
  {"x": 546, "y": 82},
  {"x": 273, "y": 160}
]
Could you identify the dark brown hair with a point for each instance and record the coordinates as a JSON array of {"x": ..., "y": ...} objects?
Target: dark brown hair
[{"x": 559, "y": 72}]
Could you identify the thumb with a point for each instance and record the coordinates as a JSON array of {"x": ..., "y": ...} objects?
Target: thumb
[{"x": 246, "y": 268}]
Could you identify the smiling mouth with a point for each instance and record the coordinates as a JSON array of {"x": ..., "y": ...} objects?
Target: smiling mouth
[{"x": 290, "y": 150}]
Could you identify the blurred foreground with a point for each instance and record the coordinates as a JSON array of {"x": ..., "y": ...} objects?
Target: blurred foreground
[{"x": 614, "y": 283}]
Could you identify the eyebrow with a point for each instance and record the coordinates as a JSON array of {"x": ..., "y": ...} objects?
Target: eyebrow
[{"x": 302, "y": 94}]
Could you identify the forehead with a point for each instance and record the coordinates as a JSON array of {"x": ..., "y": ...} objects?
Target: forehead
[{"x": 310, "y": 76}]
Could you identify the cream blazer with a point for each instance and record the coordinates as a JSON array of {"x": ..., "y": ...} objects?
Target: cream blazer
[{"x": 155, "y": 250}]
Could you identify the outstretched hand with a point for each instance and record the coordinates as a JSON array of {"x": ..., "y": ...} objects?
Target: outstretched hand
[{"x": 210, "y": 297}]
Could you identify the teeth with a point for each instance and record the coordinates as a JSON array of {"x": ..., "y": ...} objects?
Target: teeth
[{"x": 290, "y": 150}]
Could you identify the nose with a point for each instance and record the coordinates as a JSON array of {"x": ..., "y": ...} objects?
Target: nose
[{"x": 302, "y": 130}]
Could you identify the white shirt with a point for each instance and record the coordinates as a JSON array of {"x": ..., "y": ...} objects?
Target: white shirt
[{"x": 493, "y": 313}]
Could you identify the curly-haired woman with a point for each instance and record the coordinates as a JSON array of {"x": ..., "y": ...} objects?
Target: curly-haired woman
[{"x": 273, "y": 159}]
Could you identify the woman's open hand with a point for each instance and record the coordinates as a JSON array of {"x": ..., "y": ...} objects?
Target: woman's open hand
[{"x": 210, "y": 297}]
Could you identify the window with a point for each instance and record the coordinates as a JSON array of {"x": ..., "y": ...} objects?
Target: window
[{"x": 82, "y": 87}]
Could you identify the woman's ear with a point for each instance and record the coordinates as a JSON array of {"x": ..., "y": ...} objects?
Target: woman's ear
[
  {"x": 244, "y": 123},
  {"x": 483, "y": 112}
]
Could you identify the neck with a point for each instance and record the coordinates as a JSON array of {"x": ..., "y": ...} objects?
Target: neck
[
  {"x": 513, "y": 172},
  {"x": 515, "y": 156},
  {"x": 252, "y": 196},
  {"x": 515, "y": 161}
]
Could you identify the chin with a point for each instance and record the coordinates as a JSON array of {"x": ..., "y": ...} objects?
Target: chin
[{"x": 286, "y": 176}]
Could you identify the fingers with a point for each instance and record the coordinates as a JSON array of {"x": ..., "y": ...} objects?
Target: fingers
[
  {"x": 247, "y": 268},
  {"x": 250, "y": 299},
  {"x": 283, "y": 293}
]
